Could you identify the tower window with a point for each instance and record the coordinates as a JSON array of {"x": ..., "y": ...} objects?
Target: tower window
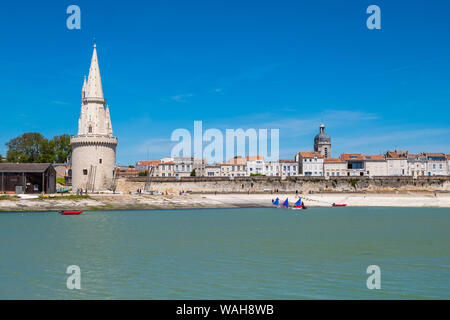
[
  {"x": 90, "y": 129},
  {"x": 85, "y": 172},
  {"x": 100, "y": 161}
]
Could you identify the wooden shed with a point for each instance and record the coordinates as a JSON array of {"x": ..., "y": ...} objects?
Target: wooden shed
[{"x": 27, "y": 178}]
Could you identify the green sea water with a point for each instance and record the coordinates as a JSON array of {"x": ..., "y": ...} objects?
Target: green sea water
[{"x": 319, "y": 253}]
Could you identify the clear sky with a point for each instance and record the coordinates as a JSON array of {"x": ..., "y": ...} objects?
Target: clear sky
[{"x": 252, "y": 64}]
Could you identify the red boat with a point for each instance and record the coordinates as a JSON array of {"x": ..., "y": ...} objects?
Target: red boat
[
  {"x": 71, "y": 212},
  {"x": 339, "y": 205}
]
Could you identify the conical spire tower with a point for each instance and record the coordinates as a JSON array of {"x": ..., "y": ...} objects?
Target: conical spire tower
[
  {"x": 94, "y": 85},
  {"x": 94, "y": 148}
]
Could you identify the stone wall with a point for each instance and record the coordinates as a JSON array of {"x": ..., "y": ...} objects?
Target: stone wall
[{"x": 263, "y": 184}]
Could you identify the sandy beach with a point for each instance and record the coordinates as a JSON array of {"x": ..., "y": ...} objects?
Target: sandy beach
[{"x": 186, "y": 201}]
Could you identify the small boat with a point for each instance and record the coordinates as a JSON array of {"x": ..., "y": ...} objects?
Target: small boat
[
  {"x": 339, "y": 205},
  {"x": 27, "y": 196},
  {"x": 70, "y": 212},
  {"x": 63, "y": 191},
  {"x": 299, "y": 205},
  {"x": 286, "y": 203},
  {"x": 276, "y": 202}
]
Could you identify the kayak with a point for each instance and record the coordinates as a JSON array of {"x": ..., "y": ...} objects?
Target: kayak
[
  {"x": 71, "y": 212},
  {"x": 339, "y": 205}
]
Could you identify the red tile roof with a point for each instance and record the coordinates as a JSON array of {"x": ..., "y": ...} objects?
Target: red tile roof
[
  {"x": 148, "y": 162},
  {"x": 431, "y": 154},
  {"x": 351, "y": 156},
  {"x": 252, "y": 158},
  {"x": 334, "y": 160},
  {"x": 287, "y": 161},
  {"x": 396, "y": 155},
  {"x": 308, "y": 154},
  {"x": 374, "y": 157}
]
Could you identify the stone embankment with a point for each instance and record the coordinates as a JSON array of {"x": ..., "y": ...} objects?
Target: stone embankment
[{"x": 251, "y": 185}]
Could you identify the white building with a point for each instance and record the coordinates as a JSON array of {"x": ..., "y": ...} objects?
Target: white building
[
  {"x": 272, "y": 169},
  {"x": 238, "y": 167},
  {"x": 199, "y": 167},
  {"x": 355, "y": 164},
  {"x": 212, "y": 170},
  {"x": 288, "y": 168},
  {"x": 417, "y": 164},
  {"x": 183, "y": 166},
  {"x": 375, "y": 165},
  {"x": 436, "y": 164},
  {"x": 255, "y": 165},
  {"x": 310, "y": 164},
  {"x": 225, "y": 169},
  {"x": 94, "y": 148},
  {"x": 334, "y": 168},
  {"x": 165, "y": 169},
  {"x": 397, "y": 163}
]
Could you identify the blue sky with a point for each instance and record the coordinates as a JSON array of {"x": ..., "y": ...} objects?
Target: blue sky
[{"x": 233, "y": 64}]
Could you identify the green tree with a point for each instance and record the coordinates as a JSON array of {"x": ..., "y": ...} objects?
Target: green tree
[
  {"x": 26, "y": 148},
  {"x": 47, "y": 154},
  {"x": 193, "y": 173},
  {"x": 61, "y": 148},
  {"x": 34, "y": 147}
]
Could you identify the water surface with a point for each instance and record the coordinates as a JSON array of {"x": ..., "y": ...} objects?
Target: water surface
[{"x": 227, "y": 254}]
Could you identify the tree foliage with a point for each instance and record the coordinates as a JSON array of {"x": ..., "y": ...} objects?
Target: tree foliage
[{"x": 34, "y": 147}]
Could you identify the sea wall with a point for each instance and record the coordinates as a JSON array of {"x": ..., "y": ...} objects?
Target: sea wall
[{"x": 263, "y": 184}]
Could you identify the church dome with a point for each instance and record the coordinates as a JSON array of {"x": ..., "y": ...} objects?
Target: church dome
[{"x": 322, "y": 137}]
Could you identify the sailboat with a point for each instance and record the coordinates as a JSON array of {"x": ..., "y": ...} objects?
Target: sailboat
[
  {"x": 299, "y": 205},
  {"x": 276, "y": 202},
  {"x": 286, "y": 203}
]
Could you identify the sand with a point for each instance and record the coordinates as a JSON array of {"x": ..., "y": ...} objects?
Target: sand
[{"x": 122, "y": 202}]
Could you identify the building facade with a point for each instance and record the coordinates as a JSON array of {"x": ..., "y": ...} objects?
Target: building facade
[
  {"x": 310, "y": 164},
  {"x": 272, "y": 169},
  {"x": 212, "y": 170},
  {"x": 334, "y": 168},
  {"x": 436, "y": 164},
  {"x": 417, "y": 164},
  {"x": 288, "y": 168},
  {"x": 27, "y": 178},
  {"x": 355, "y": 164},
  {"x": 375, "y": 165},
  {"x": 94, "y": 148},
  {"x": 255, "y": 165},
  {"x": 397, "y": 163}
]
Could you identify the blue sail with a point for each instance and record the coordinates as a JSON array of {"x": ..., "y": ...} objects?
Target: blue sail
[
  {"x": 286, "y": 203},
  {"x": 299, "y": 202},
  {"x": 276, "y": 202}
]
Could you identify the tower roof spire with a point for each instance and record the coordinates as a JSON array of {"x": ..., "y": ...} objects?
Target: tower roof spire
[{"x": 94, "y": 85}]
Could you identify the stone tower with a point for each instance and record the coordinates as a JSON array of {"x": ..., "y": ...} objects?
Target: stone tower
[
  {"x": 322, "y": 143},
  {"x": 94, "y": 148}
]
